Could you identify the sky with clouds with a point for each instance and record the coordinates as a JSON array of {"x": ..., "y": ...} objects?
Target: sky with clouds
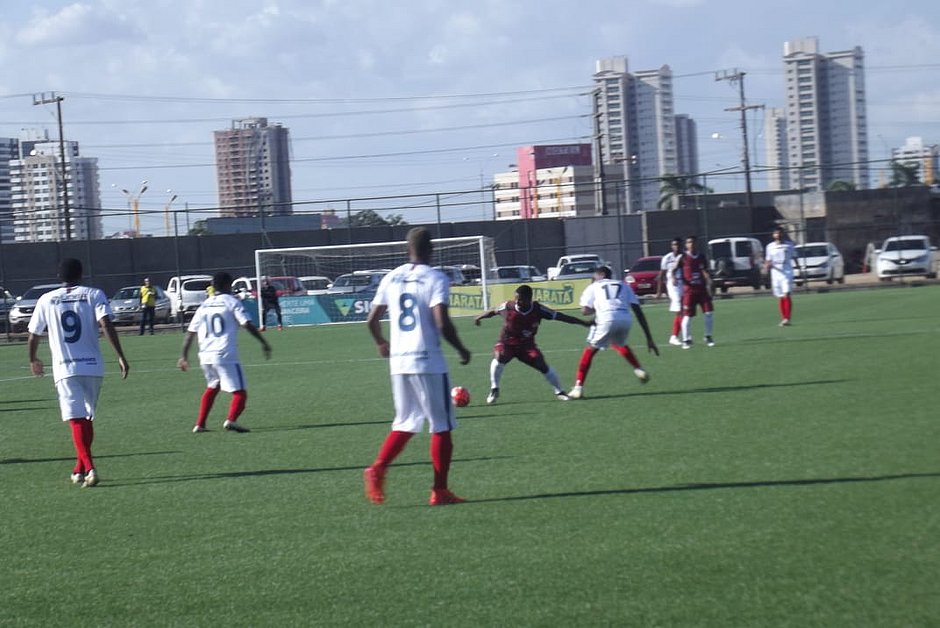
[{"x": 420, "y": 96}]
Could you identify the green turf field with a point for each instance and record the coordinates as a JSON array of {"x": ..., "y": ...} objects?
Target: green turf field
[{"x": 784, "y": 477}]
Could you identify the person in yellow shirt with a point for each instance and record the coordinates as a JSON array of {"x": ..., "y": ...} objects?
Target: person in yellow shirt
[{"x": 148, "y": 305}]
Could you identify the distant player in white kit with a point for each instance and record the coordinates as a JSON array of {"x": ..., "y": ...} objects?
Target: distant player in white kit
[
  {"x": 416, "y": 298},
  {"x": 611, "y": 302},
  {"x": 216, "y": 323},
  {"x": 779, "y": 262},
  {"x": 71, "y": 316},
  {"x": 671, "y": 278}
]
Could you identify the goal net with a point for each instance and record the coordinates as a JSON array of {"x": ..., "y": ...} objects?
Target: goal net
[{"x": 355, "y": 268}]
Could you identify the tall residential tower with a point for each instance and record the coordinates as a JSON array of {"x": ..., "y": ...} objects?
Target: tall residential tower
[{"x": 253, "y": 166}]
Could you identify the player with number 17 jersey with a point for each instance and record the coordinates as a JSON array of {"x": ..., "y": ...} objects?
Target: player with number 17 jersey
[{"x": 409, "y": 292}]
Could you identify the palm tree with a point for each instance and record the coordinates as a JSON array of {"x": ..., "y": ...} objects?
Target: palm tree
[
  {"x": 904, "y": 175},
  {"x": 841, "y": 185},
  {"x": 673, "y": 186}
]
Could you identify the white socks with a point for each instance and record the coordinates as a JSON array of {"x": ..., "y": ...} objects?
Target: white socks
[{"x": 496, "y": 372}]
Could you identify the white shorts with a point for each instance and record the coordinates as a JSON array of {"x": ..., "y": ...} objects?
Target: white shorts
[
  {"x": 78, "y": 396},
  {"x": 421, "y": 397},
  {"x": 675, "y": 296},
  {"x": 781, "y": 283},
  {"x": 606, "y": 333},
  {"x": 229, "y": 376}
]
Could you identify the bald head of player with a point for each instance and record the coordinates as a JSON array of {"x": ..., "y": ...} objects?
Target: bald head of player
[
  {"x": 420, "y": 246},
  {"x": 70, "y": 271},
  {"x": 603, "y": 272},
  {"x": 222, "y": 282}
]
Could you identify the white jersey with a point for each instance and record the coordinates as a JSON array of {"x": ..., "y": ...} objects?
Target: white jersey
[
  {"x": 781, "y": 256},
  {"x": 216, "y": 323},
  {"x": 670, "y": 264},
  {"x": 409, "y": 292},
  {"x": 71, "y": 315},
  {"x": 610, "y": 299}
]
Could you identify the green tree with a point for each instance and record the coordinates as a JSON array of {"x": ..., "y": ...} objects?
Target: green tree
[
  {"x": 904, "y": 175},
  {"x": 673, "y": 186},
  {"x": 371, "y": 218},
  {"x": 841, "y": 185},
  {"x": 199, "y": 228}
]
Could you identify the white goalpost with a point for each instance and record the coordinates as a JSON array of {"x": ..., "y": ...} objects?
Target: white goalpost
[{"x": 468, "y": 261}]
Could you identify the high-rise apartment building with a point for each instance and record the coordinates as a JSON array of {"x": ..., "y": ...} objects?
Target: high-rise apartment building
[
  {"x": 551, "y": 181},
  {"x": 925, "y": 156},
  {"x": 775, "y": 143},
  {"x": 9, "y": 150},
  {"x": 827, "y": 136},
  {"x": 253, "y": 169},
  {"x": 38, "y": 196},
  {"x": 686, "y": 146},
  {"x": 636, "y": 136}
]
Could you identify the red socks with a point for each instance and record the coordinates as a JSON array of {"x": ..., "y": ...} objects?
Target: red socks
[
  {"x": 442, "y": 449},
  {"x": 208, "y": 398},
  {"x": 786, "y": 307},
  {"x": 394, "y": 443},
  {"x": 627, "y": 355},
  {"x": 584, "y": 365},
  {"x": 83, "y": 433},
  {"x": 239, "y": 398},
  {"x": 677, "y": 325}
]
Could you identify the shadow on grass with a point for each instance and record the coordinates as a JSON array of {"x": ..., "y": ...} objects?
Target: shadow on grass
[
  {"x": 222, "y": 475},
  {"x": 72, "y": 458},
  {"x": 314, "y": 426},
  {"x": 27, "y": 408},
  {"x": 705, "y": 486},
  {"x": 6, "y": 401},
  {"x": 722, "y": 389}
]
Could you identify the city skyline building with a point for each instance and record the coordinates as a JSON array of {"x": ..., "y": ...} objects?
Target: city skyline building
[
  {"x": 635, "y": 132},
  {"x": 253, "y": 169},
  {"x": 550, "y": 181},
  {"x": 38, "y": 202},
  {"x": 9, "y": 150},
  {"x": 686, "y": 146},
  {"x": 775, "y": 145},
  {"x": 827, "y": 125},
  {"x": 925, "y": 156}
]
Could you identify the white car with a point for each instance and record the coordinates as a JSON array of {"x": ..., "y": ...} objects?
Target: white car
[
  {"x": 186, "y": 294},
  {"x": 315, "y": 284},
  {"x": 818, "y": 261},
  {"x": 564, "y": 260},
  {"x": 516, "y": 274},
  {"x": 906, "y": 255}
]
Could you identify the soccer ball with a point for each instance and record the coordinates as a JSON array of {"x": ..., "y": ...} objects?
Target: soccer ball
[{"x": 460, "y": 395}]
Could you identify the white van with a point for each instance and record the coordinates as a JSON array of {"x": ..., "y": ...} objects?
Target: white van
[
  {"x": 187, "y": 293},
  {"x": 736, "y": 261}
]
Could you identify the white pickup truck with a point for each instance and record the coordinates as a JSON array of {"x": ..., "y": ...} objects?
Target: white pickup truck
[{"x": 552, "y": 271}]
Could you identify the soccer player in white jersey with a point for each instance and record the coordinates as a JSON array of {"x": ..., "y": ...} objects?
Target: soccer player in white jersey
[
  {"x": 416, "y": 298},
  {"x": 670, "y": 278},
  {"x": 779, "y": 262},
  {"x": 611, "y": 302},
  {"x": 71, "y": 316},
  {"x": 216, "y": 323}
]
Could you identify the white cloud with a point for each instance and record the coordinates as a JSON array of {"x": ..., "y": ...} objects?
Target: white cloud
[{"x": 74, "y": 24}]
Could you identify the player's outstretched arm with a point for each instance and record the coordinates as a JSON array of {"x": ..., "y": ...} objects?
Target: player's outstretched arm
[
  {"x": 374, "y": 323},
  {"x": 641, "y": 317},
  {"x": 107, "y": 327},
  {"x": 35, "y": 364},
  {"x": 571, "y": 320},
  {"x": 265, "y": 347},
  {"x": 447, "y": 329},
  {"x": 484, "y": 315}
]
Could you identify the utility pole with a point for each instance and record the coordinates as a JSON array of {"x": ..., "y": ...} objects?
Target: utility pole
[
  {"x": 738, "y": 77},
  {"x": 600, "y": 200},
  {"x": 46, "y": 99}
]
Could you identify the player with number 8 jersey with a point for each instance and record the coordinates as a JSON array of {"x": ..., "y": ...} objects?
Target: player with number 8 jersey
[
  {"x": 416, "y": 298},
  {"x": 216, "y": 323}
]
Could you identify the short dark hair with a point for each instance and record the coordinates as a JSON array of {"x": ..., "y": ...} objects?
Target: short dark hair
[
  {"x": 222, "y": 281},
  {"x": 419, "y": 239},
  {"x": 605, "y": 270},
  {"x": 525, "y": 291},
  {"x": 70, "y": 270}
]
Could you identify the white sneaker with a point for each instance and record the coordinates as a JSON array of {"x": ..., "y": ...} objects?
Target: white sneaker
[
  {"x": 686, "y": 344},
  {"x": 674, "y": 341},
  {"x": 232, "y": 426},
  {"x": 576, "y": 392},
  {"x": 785, "y": 322},
  {"x": 91, "y": 479},
  {"x": 641, "y": 375},
  {"x": 493, "y": 396},
  {"x": 77, "y": 478},
  {"x": 198, "y": 429},
  {"x": 561, "y": 396},
  {"x": 709, "y": 341}
]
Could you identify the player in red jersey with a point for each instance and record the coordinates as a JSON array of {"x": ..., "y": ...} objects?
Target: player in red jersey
[
  {"x": 693, "y": 267},
  {"x": 517, "y": 338}
]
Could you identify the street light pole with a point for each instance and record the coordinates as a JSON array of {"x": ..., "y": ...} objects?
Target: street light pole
[
  {"x": 166, "y": 212},
  {"x": 133, "y": 201},
  {"x": 44, "y": 99}
]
